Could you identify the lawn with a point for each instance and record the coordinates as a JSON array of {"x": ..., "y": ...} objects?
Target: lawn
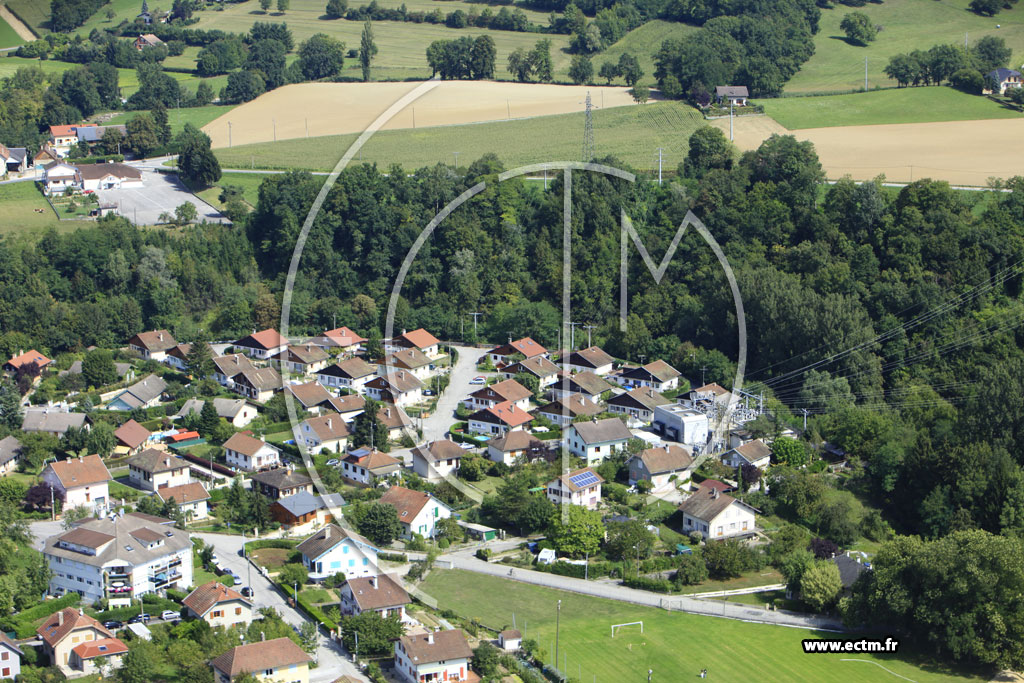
[
  {"x": 902, "y": 105},
  {"x": 8, "y": 36},
  {"x": 630, "y": 133},
  {"x": 26, "y": 210},
  {"x": 642, "y": 42},
  {"x": 272, "y": 558},
  {"x": 177, "y": 118},
  {"x": 906, "y": 25},
  {"x": 674, "y": 644},
  {"x": 35, "y": 13},
  {"x": 201, "y": 576},
  {"x": 249, "y": 182},
  {"x": 766, "y": 577},
  {"x": 317, "y": 596}
]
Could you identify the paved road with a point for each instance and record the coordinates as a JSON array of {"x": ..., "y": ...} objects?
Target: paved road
[{"x": 436, "y": 426}]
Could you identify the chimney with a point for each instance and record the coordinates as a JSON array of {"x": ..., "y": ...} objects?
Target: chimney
[
  {"x": 79, "y": 458},
  {"x": 327, "y": 531},
  {"x": 160, "y": 336},
  {"x": 373, "y": 582},
  {"x": 330, "y": 423},
  {"x": 167, "y": 462},
  {"x": 430, "y": 637},
  {"x": 714, "y": 493},
  {"x": 60, "y": 618},
  {"x": 387, "y": 412},
  {"x": 81, "y": 612},
  {"x": 263, "y": 636}
]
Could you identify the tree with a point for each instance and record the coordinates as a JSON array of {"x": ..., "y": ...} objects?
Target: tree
[
  {"x": 368, "y": 429},
  {"x": 629, "y": 69},
  {"x": 267, "y": 57},
  {"x": 579, "y": 533},
  {"x": 336, "y": 8},
  {"x": 142, "y": 659},
  {"x": 321, "y": 56},
  {"x": 367, "y": 50},
  {"x": 101, "y": 439},
  {"x": 376, "y": 635},
  {"x": 858, "y": 28},
  {"x": 581, "y": 70},
  {"x": 163, "y": 126},
  {"x": 986, "y": 8},
  {"x": 380, "y": 524},
  {"x": 208, "y": 418},
  {"x": 968, "y": 81},
  {"x": 185, "y": 213},
  {"x": 540, "y": 60},
  {"x": 608, "y": 71},
  {"x": 282, "y": 6},
  {"x": 309, "y": 636},
  {"x": 820, "y": 585},
  {"x": 691, "y": 571},
  {"x": 243, "y": 86},
  {"x": 709, "y": 149},
  {"x": 10, "y": 404},
  {"x": 99, "y": 369},
  {"x": 519, "y": 65},
  {"x": 485, "y": 659},
  {"x": 293, "y": 574},
  {"x": 199, "y": 360},
  {"x": 265, "y": 5},
  {"x": 725, "y": 559},
  {"x": 482, "y": 57},
  {"x": 640, "y": 93},
  {"x": 196, "y": 163},
  {"x": 142, "y": 134},
  {"x": 990, "y": 53},
  {"x": 112, "y": 141},
  {"x": 629, "y": 540},
  {"x": 793, "y": 565},
  {"x": 789, "y": 451},
  {"x": 204, "y": 94}
]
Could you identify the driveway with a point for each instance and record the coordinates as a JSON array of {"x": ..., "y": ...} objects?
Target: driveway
[
  {"x": 161, "y": 193},
  {"x": 436, "y": 426}
]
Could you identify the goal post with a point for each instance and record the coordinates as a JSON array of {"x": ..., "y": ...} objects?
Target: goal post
[{"x": 631, "y": 623}]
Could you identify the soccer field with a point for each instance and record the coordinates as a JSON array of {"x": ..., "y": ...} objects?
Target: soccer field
[{"x": 674, "y": 645}]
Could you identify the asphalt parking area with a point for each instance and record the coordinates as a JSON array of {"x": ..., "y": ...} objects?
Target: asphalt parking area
[{"x": 161, "y": 193}]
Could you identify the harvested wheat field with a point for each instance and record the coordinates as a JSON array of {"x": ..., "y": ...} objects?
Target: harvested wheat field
[
  {"x": 316, "y": 109},
  {"x": 961, "y": 152}
]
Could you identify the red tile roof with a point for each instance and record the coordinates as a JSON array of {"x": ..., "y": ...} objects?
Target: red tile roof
[
  {"x": 185, "y": 493},
  {"x": 343, "y": 336},
  {"x": 207, "y": 596},
  {"x": 420, "y": 338},
  {"x": 505, "y": 413},
  {"x": 131, "y": 434},
  {"x": 30, "y": 356},
  {"x": 406, "y": 502},
  {"x": 257, "y": 657},
  {"x": 54, "y": 630},
  {"x": 266, "y": 339},
  {"x": 104, "y": 647},
  {"x": 81, "y": 471}
]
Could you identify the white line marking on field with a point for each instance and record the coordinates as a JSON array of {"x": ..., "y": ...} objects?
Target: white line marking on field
[{"x": 868, "y": 661}]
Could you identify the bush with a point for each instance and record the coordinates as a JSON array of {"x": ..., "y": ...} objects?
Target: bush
[
  {"x": 967, "y": 80},
  {"x": 484, "y": 554},
  {"x": 393, "y": 557},
  {"x": 646, "y": 584},
  {"x": 696, "y": 537},
  {"x": 444, "y": 543},
  {"x": 692, "y": 572}
]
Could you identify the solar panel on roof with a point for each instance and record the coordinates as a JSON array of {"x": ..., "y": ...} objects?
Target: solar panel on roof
[{"x": 584, "y": 479}]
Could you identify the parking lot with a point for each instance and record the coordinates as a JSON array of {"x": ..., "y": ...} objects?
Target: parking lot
[{"x": 161, "y": 193}]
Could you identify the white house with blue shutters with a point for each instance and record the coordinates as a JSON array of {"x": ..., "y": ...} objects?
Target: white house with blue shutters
[{"x": 333, "y": 550}]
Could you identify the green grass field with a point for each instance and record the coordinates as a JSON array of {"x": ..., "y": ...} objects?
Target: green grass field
[
  {"x": 642, "y": 42},
  {"x": 197, "y": 116},
  {"x": 906, "y": 25},
  {"x": 35, "y": 13},
  {"x": 249, "y": 182},
  {"x": 127, "y": 78},
  {"x": 903, "y": 105},
  {"x": 26, "y": 210},
  {"x": 8, "y": 37},
  {"x": 675, "y": 645},
  {"x": 630, "y": 133}
]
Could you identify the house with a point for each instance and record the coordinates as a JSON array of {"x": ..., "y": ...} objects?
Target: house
[
  {"x": 59, "y": 178},
  {"x": 437, "y": 460},
  {"x": 510, "y": 640},
  {"x": 580, "y": 487},
  {"x": 563, "y": 411},
  {"x": 108, "y": 176},
  {"x": 732, "y": 94},
  {"x": 147, "y": 40},
  {"x": 311, "y": 395},
  {"x": 190, "y": 498},
  {"x": 334, "y": 550},
  {"x": 657, "y": 375},
  {"x": 13, "y": 160},
  {"x": 540, "y": 367},
  {"x": 369, "y": 467},
  {"x": 63, "y": 138},
  {"x": 153, "y": 469},
  {"x": 591, "y": 359},
  {"x": 417, "y": 339},
  {"x": 276, "y": 661},
  {"x": 410, "y": 360},
  {"x": 258, "y": 384},
  {"x": 262, "y": 345},
  {"x": 250, "y": 454},
  {"x": 177, "y": 357},
  {"x": 327, "y": 433},
  {"x": 507, "y": 390},
  {"x": 131, "y": 437},
  {"x": 10, "y": 658},
  {"x": 586, "y": 383},
  {"x": 305, "y": 359},
  {"x": 400, "y": 387},
  {"x": 152, "y": 345},
  {"x": 512, "y": 447},
  {"x": 119, "y": 558},
  {"x": 1002, "y": 79},
  {"x": 434, "y": 656},
  {"x": 595, "y": 440},
  {"x": 498, "y": 419},
  {"x": 396, "y": 421},
  {"x": 661, "y": 466},
  {"x": 10, "y": 451},
  {"x": 52, "y": 421},
  {"x": 676, "y": 422},
  {"x": 81, "y": 481},
  {"x": 226, "y": 367},
  {"x": 349, "y": 406},
  {"x": 352, "y": 373},
  {"x": 237, "y": 411},
  {"x": 30, "y": 361},
  {"x": 125, "y": 371},
  {"x": 525, "y": 347},
  {"x": 281, "y": 483},
  {"x": 145, "y": 393},
  {"x": 756, "y": 453},
  {"x": 144, "y": 16},
  {"x": 218, "y": 605},
  {"x": 92, "y": 657},
  {"x": 716, "y": 515},
  {"x": 418, "y": 511},
  {"x": 638, "y": 404},
  {"x": 92, "y": 135},
  {"x": 721, "y": 486},
  {"x": 63, "y": 631},
  {"x": 382, "y": 594},
  {"x": 305, "y": 508},
  {"x": 45, "y": 156},
  {"x": 850, "y": 569},
  {"x": 341, "y": 338}
]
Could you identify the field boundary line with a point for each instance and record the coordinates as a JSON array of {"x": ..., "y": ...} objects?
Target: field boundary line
[{"x": 868, "y": 661}]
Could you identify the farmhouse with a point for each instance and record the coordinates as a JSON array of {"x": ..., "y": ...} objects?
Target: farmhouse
[
  {"x": 732, "y": 94},
  {"x": 369, "y": 467},
  {"x": 262, "y": 345},
  {"x": 63, "y": 138},
  {"x": 716, "y": 515},
  {"x": 657, "y": 375},
  {"x": 341, "y": 338},
  {"x": 279, "y": 660},
  {"x": 152, "y": 345},
  {"x": 218, "y": 605},
  {"x": 525, "y": 347},
  {"x": 236, "y": 411},
  {"x": 586, "y": 383},
  {"x": 333, "y": 550},
  {"x": 326, "y": 433},
  {"x": 498, "y": 419},
  {"x": 52, "y": 421},
  {"x": 417, "y": 339},
  {"x": 382, "y": 594},
  {"x": 190, "y": 498},
  {"x": 512, "y": 447},
  {"x": 638, "y": 404},
  {"x": 306, "y": 359},
  {"x": 1002, "y": 79},
  {"x": 436, "y": 460},
  {"x": 418, "y": 511},
  {"x": 563, "y": 411},
  {"x": 399, "y": 387},
  {"x": 540, "y": 367},
  {"x": 755, "y": 453},
  {"x": 26, "y": 361},
  {"x": 434, "y": 656},
  {"x": 248, "y": 453},
  {"x": 281, "y": 483},
  {"x": 147, "y": 40},
  {"x": 662, "y": 466},
  {"x": 10, "y": 451},
  {"x": 580, "y": 487},
  {"x": 145, "y": 393},
  {"x": 152, "y": 470},
  {"x": 591, "y": 359},
  {"x": 81, "y": 481},
  {"x": 507, "y": 390},
  {"x": 352, "y": 373},
  {"x": 594, "y": 441}
]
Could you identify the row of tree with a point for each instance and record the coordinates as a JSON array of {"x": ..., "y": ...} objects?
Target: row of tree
[{"x": 955, "y": 63}]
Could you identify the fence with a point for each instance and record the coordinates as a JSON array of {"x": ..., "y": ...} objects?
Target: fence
[{"x": 731, "y": 610}]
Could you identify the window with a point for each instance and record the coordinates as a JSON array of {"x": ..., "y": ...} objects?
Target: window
[
  {"x": 366, "y": 560},
  {"x": 217, "y": 614},
  {"x": 238, "y": 611},
  {"x": 5, "y": 656},
  {"x": 351, "y": 563}
]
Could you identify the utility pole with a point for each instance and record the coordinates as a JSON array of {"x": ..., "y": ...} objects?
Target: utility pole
[
  {"x": 731, "y": 101},
  {"x": 865, "y": 74},
  {"x": 660, "y": 149},
  {"x": 476, "y": 316},
  {"x": 456, "y": 159},
  {"x": 589, "y": 329},
  {"x": 572, "y": 337},
  {"x": 229, "y": 133},
  {"x": 702, "y": 369},
  {"x": 588, "y": 138},
  {"x": 805, "y": 419},
  {"x": 307, "y": 128},
  {"x": 558, "y": 617},
  {"x": 275, "y": 129}
]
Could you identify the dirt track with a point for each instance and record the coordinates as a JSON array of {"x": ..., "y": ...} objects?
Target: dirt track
[
  {"x": 961, "y": 152},
  {"x": 338, "y": 108}
]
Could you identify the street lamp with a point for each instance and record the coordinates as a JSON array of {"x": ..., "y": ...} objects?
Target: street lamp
[{"x": 558, "y": 616}]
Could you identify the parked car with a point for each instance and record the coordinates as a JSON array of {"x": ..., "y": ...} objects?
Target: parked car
[
  {"x": 113, "y": 624},
  {"x": 333, "y": 462},
  {"x": 168, "y": 615},
  {"x": 248, "y": 592},
  {"x": 140, "y": 619},
  {"x": 477, "y": 380},
  {"x": 465, "y": 446},
  {"x": 237, "y": 580},
  {"x": 428, "y": 392}
]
